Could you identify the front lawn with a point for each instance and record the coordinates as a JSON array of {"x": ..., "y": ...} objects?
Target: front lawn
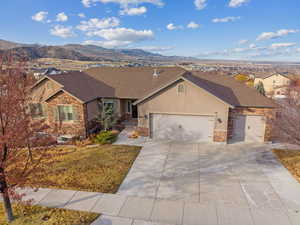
[
  {"x": 291, "y": 160},
  {"x": 98, "y": 169},
  {"x": 36, "y": 215}
]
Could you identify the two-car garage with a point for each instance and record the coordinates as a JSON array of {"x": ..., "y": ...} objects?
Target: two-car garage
[
  {"x": 206, "y": 109},
  {"x": 193, "y": 128}
]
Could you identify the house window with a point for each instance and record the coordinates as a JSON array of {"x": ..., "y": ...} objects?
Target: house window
[
  {"x": 181, "y": 89},
  {"x": 65, "y": 113},
  {"x": 37, "y": 110},
  {"x": 109, "y": 104}
]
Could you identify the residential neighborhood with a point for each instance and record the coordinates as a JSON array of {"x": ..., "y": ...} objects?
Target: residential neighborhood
[{"x": 149, "y": 112}]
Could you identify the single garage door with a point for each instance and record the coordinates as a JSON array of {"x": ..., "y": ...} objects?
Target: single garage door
[
  {"x": 249, "y": 129},
  {"x": 182, "y": 127}
]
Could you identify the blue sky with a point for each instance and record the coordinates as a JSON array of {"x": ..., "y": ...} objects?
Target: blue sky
[{"x": 222, "y": 29}]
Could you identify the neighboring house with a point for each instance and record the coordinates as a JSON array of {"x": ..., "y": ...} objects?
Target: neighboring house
[
  {"x": 276, "y": 85},
  {"x": 49, "y": 71},
  {"x": 170, "y": 104}
]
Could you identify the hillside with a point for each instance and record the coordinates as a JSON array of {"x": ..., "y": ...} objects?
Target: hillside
[{"x": 82, "y": 53}]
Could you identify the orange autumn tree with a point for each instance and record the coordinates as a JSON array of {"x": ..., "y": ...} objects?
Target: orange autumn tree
[{"x": 23, "y": 148}]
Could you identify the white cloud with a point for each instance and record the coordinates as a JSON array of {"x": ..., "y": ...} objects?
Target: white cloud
[
  {"x": 81, "y": 15},
  {"x": 281, "y": 45},
  {"x": 134, "y": 11},
  {"x": 120, "y": 37},
  {"x": 122, "y": 3},
  {"x": 193, "y": 25},
  {"x": 252, "y": 46},
  {"x": 237, "y": 3},
  {"x": 277, "y": 34},
  {"x": 171, "y": 26},
  {"x": 62, "y": 31},
  {"x": 61, "y": 17},
  {"x": 156, "y": 48},
  {"x": 200, "y": 4},
  {"x": 226, "y": 19},
  {"x": 96, "y": 24},
  {"x": 40, "y": 16},
  {"x": 244, "y": 41}
]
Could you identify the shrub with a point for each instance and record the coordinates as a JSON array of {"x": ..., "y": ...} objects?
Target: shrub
[
  {"x": 242, "y": 78},
  {"x": 106, "y": 137}
]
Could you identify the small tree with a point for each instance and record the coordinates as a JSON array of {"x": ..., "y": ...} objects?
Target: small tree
[
  {"x": 260, "y": 88},
  {"x": 22, "y": 149},
  {"x": 108, "y": 117}
]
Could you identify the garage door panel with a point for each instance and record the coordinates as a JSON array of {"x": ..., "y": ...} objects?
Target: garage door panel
[
  {"x": 182, "y": 128},
  {"x": 248, "y": 129}
]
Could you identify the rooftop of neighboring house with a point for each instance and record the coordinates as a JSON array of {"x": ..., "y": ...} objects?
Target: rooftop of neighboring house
[{"x": 285, "y": 74}]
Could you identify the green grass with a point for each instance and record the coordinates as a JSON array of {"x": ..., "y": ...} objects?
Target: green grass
[
  {"x": 99, "y": 169},
  {"x": 36, "y": 215}
]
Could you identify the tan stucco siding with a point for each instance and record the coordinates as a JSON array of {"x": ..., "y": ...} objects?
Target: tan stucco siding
[
  {"x": 195, "y": 101},
  {"x": 43, "y": 90}
]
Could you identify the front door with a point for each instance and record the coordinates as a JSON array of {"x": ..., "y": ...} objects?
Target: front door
[{"x": 134, "y": 111}]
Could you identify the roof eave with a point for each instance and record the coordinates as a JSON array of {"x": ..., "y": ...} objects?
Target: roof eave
[
  {"x": 174, "y": 81},
  {"x": 62, "y": 90}
]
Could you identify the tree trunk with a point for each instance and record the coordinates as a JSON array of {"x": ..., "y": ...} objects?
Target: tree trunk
[{"x": 5, "y": 195}]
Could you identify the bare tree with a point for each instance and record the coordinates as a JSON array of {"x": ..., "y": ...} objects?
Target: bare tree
[
  {"x": 23, "y": 149},
  {"x": 287, "y": 123}
]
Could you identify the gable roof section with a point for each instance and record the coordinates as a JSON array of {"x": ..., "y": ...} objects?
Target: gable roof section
[
  {"x": 224, "y": 88},
  {"x": 291, "y": 77},
  {"x": 82, "y": 86},
  {"x": 134, "y": 82}
]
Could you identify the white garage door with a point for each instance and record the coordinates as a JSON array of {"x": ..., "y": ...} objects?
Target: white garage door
[
  {"x": 249, "y": 128},
  {"x": 182, "y": 127}
]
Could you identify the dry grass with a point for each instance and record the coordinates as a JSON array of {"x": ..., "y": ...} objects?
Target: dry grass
[
  {"x": 36, "y": 215},
  {"x": 291, "y": 160},
  {"x": 99, "y": 169}
]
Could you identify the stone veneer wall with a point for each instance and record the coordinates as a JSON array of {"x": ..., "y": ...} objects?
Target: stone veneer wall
[
  {"x": 269, "y": 114},
  {"x": 220, "y": 136},
  {"x": 74, "y": 128}
]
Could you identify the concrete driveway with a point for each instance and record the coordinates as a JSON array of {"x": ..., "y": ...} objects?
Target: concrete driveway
[{"x": 237, "y": 184}]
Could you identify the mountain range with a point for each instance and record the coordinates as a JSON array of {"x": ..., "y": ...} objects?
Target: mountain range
[{"x": 82, "y": 53}]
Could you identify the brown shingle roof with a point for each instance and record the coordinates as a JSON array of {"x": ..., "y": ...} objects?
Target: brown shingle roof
[
  {"x": 134, "y": 82},
  {"x": 225, "y": 88},
  {"x": 83, "y": 86},
  {"x": 230, "y": 90}
]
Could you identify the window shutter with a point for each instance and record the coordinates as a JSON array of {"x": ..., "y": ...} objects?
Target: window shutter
[
  {"x": 56, "y": 113},
  {"x": 44, "y": 110},
  {"x": 75, "y": 114}
]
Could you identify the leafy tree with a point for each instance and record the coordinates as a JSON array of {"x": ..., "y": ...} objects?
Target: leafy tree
[
  {"x": 22, "y": 147},
  {"x": 242, "y": 78},
  {"x": 260, "y": 88}
]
